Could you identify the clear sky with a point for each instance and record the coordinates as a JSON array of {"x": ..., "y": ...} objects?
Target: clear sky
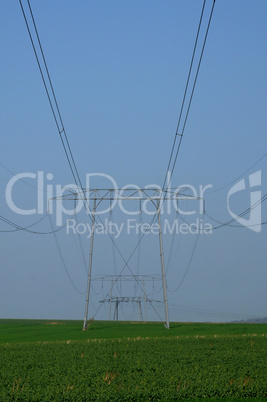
[{"x": 119, "y": 70}]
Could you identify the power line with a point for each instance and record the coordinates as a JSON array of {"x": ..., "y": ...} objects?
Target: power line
[
  {"x": 237, "y": 178},
  {"x": 245, "y": 212},
  {"x": 207, "y": 30},
  {"x": 218, "y": 227},
  {"x": 242, "y": 214},
  {"x": 65, "y": 144},
  {"x": 55, "y": 110},
  {"x": 185, "y": 120},
  {"x": 62, "y": 258},
  {"x": 55, "y": 99},
  {"x": 188, "y": 265},
  {"x": 61, "y": 129},
  {"x": 191, "y": 96},
  {"x": 13, "y": 174},
  {"x": 187, "y": 112},
  {"x": 26, "y": 229},
  {"x": 185, "y": 92},
  {"x": 215, "y": 220},
  {"x": 16, "y": 226},
  {"x": 82, "y": 255},
  {"x": 172, "y": 245}
]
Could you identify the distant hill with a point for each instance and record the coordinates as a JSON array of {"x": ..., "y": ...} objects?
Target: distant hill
[{"x": 253, "y": 321}]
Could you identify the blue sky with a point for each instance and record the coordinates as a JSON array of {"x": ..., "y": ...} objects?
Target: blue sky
[{"x": 119, "y": 71}]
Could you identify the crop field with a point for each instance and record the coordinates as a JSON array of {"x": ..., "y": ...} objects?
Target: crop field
[
  {"x": 189, "y": 365},
  {"x": 48, "y": 330}
]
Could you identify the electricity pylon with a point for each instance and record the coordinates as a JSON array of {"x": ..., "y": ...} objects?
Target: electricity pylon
[{"x": 156, "y": 196}]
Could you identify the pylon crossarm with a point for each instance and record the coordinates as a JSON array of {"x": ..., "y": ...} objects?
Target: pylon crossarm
[{"x": 125, "y": 194}]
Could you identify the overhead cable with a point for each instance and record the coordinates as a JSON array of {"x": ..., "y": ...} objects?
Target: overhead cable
[
  {"x": 191, "y": 97},
  {"x": 26, "y": 229},
  {"x": 185, "y": 92},
  {"x": 62, "y": 258},
  {"x": 56, "y": 113}
]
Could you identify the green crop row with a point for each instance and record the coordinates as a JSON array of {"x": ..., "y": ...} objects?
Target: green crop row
[
  {"x": 135, "y": 369},
  {"x": 43, "y": 330}
]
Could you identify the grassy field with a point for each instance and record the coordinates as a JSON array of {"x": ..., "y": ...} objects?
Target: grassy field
[
  {"x": 122, "y": 361},
  {"x": 45, "y": 330}
]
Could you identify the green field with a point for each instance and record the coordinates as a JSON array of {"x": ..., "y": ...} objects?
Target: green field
[
  {"x": 48, "y": 361},
  {"x": 48, "y": 330}
]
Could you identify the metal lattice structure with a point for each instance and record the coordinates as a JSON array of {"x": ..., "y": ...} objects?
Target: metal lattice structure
[
  {"x": 139, "y": 279},
  {"x": 156, "y": 195},
  {"x": 128, "y": 299}
]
